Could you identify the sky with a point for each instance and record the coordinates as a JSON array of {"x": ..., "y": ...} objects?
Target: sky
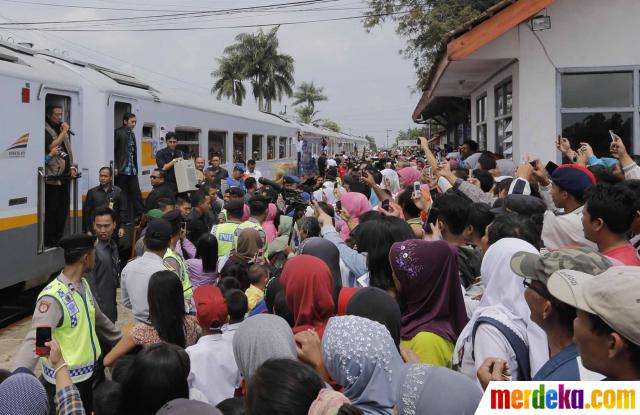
[{"x": 368, "y": 83}]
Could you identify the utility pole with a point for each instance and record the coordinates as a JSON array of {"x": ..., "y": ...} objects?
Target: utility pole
[{"x": 388, "y": 131}]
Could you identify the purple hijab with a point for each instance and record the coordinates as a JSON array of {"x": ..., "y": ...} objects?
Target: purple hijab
[{"x": 430, "y": 287}]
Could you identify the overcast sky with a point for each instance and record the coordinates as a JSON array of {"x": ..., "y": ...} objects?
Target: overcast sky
[{"x": 367, "y": 81}]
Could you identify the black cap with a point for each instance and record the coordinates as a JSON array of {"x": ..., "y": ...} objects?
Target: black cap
[
  {"x": 522, "y": 204},
  {"x": 236, "y": 191},
  {"x": 77, "y": 242},
  {"x": 158, "y": 230}
]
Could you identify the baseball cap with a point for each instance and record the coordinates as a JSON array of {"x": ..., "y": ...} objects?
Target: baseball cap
[
  {"x": 239, "y": 166},
  {"x": 291, "y": 179},
  {"x": 573, "y": 178},
  {"x": 158, "y": 230},
  {"x": 613, "y": 295},
  {"x": 183, "y": 406},
  {"x": 522, "y": 204},
  {"x": 211, "y": 307},
  {"x": 540, "y": 267},
  {"x": 154, "y": 214}
]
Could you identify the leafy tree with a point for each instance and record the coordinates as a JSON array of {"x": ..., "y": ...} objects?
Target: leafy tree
[
  {"x": 308, "y": 93},
  {"x": 269, "y": 71},
  {"x": 306, "y": 114},
  {"x": 423, "y": 24},
  {"x": 229, "y": 79},
  {"x": 331, "y": 125},
  {"x": 372, "y": 142},
  {"x": 409, "y": 134}
]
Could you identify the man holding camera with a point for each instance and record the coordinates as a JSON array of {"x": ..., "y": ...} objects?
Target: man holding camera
[{"x": 59, "y": 169}]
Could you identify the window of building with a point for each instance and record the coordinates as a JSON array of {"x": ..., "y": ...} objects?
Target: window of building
[
  {"x": 256, "y": 147},
  {"x": 593, "y": 103},
  {"x": 218, "y": 145},
  {"x": 282, "y": 148},
  {"x": 271, "y": 147},
  {"x": 504, "y": 119},
  {"x": 481, "y": 122},
  {"x": 188, "y": 141},
  {"x": 239, "y": 146}
]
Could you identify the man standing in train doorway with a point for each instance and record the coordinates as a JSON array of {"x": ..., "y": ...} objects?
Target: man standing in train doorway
[
  {"x": 167, "y": 158},
  {"x": 59, "y": 169},
  {"x": 299, "y": 144},
  {"x": 126, "y": 166}
]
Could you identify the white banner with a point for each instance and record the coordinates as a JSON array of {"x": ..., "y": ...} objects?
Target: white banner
[
  {"x": 570, "y": 398},
  {"x": 407, "y": 143}
]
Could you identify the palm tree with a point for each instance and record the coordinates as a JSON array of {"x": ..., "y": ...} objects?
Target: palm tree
[
  {"x": 309, "y": 93},
  {"x": 270, "y": 72},
  {"x": 306, "y": 114},
  {"x": 229, "y": 74}
]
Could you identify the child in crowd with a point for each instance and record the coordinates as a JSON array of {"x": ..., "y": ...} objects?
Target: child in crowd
[{"x": 258, "y": 277}]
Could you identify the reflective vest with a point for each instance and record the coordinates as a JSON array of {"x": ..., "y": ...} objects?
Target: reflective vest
[
  {"x": 184, "y": 279},
  {"x": 225, "y": 233},
  {"x": 247, "y": 224},
  {"x": 77, "y": 334}
]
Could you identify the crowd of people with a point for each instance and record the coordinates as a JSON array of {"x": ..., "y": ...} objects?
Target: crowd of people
[{"x": 376, "y": 287}]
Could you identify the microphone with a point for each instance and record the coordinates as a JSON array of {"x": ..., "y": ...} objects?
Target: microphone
[{"x": 71, "y": 132}]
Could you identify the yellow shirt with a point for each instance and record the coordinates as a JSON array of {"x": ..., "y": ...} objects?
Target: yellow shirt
[
  {"x": 430, "y": 348},
  {"x": 254, "y": 295}
]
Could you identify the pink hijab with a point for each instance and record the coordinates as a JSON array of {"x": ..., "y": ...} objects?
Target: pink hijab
[
  {"x": 268, "y": 226},
  {"x": 408, "y": 175},
  {"x": 356, "y": 204},
  {"x": 246, "y": 213}
]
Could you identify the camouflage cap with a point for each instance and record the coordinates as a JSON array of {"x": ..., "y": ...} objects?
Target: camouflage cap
[{"x": 540, "y": 267}]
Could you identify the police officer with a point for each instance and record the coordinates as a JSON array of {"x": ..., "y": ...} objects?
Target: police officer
[
  {"x": 68, "y": 307},
  {"x": 225, "y": 233},
  {"x": 258, "y": 206},
  {"x": 174, "y": 262}
]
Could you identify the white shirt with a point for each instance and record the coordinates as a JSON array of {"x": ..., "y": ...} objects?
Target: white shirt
[
  {"x": 299, "y": 145},
  {"x": 213, "y": 368},
  {"x": 255, "y": 174},
  {"x": 135, "y": 283},
  {"x": 564, "y": 230},
  {"x": 489, "y": 342}
]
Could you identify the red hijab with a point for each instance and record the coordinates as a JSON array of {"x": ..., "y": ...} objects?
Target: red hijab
[{"x": 308, "y": 286}]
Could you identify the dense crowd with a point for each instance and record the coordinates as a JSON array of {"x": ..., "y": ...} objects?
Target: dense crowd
[{"x": 378, "y": 284}]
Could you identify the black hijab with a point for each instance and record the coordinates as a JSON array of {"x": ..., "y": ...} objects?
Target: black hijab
[
  {"x": 329, "y": 254},
  {"x": 377, "y": 305}
]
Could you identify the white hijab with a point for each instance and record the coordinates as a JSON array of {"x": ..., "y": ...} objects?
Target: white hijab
[
  {"x": 394, "y": 180},
  {"x": 504, "y": 301}
]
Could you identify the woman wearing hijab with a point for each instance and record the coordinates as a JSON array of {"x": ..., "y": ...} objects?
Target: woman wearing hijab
[
  {"x": 276, "y": 250},
  {"x": 390, "y": 181},
  {"x": 360, "y": 355},
  {"x": 248, "y": 250},
  {"x": 503, "y": 301},
  {"x": 377, "y": 305},
  {"x": 23, "y": 394},
  {"x": 308, "y": 288},
  {"x": 428, "y": 284},
  {"x": 426, "y": 390},
  {"x": 408, "y": 176},
  {"x": 259, "y": 339},
  {"x": 329, "y": 254},
  {"x": 268, "y": 226},
  {"x": 355, "y": 204}
]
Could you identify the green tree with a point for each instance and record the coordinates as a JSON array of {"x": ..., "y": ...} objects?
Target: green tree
[
  {"x": 308, "y": 93},
  {"x": 331, "y": 125},
  {"x": 306, "y": 114},
  {"x": 269, "y": 71},
  {"x": 372, "y": 142},
  {"x": 423, "y": 24},
  {"x": 229, "y": 79},
  {"x": 409, "y": 134}
]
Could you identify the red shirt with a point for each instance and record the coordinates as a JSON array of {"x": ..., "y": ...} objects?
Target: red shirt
[{"x": 626, "y": 254}]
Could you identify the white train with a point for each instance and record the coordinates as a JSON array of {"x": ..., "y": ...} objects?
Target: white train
[{"x": 94, "y": 100}]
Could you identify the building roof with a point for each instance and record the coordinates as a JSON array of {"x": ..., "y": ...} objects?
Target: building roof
[{"x": 462, "y": 42}]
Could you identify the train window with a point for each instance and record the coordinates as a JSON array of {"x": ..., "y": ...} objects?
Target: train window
[
  {"x": 271, "y": 147},
  {"x": 282, "y": 148},
  {"x": 256, "y": 147},
  {"x": 188, "y": 141},
  {"x": 239, "y": 146},
  {"x": 218, "y": 145}
]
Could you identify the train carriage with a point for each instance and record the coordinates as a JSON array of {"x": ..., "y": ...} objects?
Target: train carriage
[{"x": 94, "y": 100}]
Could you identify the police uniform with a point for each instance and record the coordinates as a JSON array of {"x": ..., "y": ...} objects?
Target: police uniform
[
  {"x": 252, "y": 223},
  {"x": 226, "y": 235},
  {"x": 77, "y": 322},
  {"x": 175, "y": 263}
]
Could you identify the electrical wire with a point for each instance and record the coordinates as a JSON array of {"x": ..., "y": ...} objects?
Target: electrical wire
[{"x": 181, "y": 29}]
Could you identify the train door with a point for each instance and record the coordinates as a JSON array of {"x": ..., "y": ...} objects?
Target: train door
[
  {"x": 58, "y": 195},
  {"x": 239, "y": 147}
]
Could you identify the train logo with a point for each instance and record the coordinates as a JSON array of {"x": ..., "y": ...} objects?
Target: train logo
[{"x": 17, "y": 149}]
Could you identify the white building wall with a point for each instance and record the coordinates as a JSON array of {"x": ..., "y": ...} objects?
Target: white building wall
[{"x": 594, "y": 35}]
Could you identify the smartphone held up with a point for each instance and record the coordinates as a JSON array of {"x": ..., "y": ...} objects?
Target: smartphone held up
[{"x": 43, "y": 336}]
